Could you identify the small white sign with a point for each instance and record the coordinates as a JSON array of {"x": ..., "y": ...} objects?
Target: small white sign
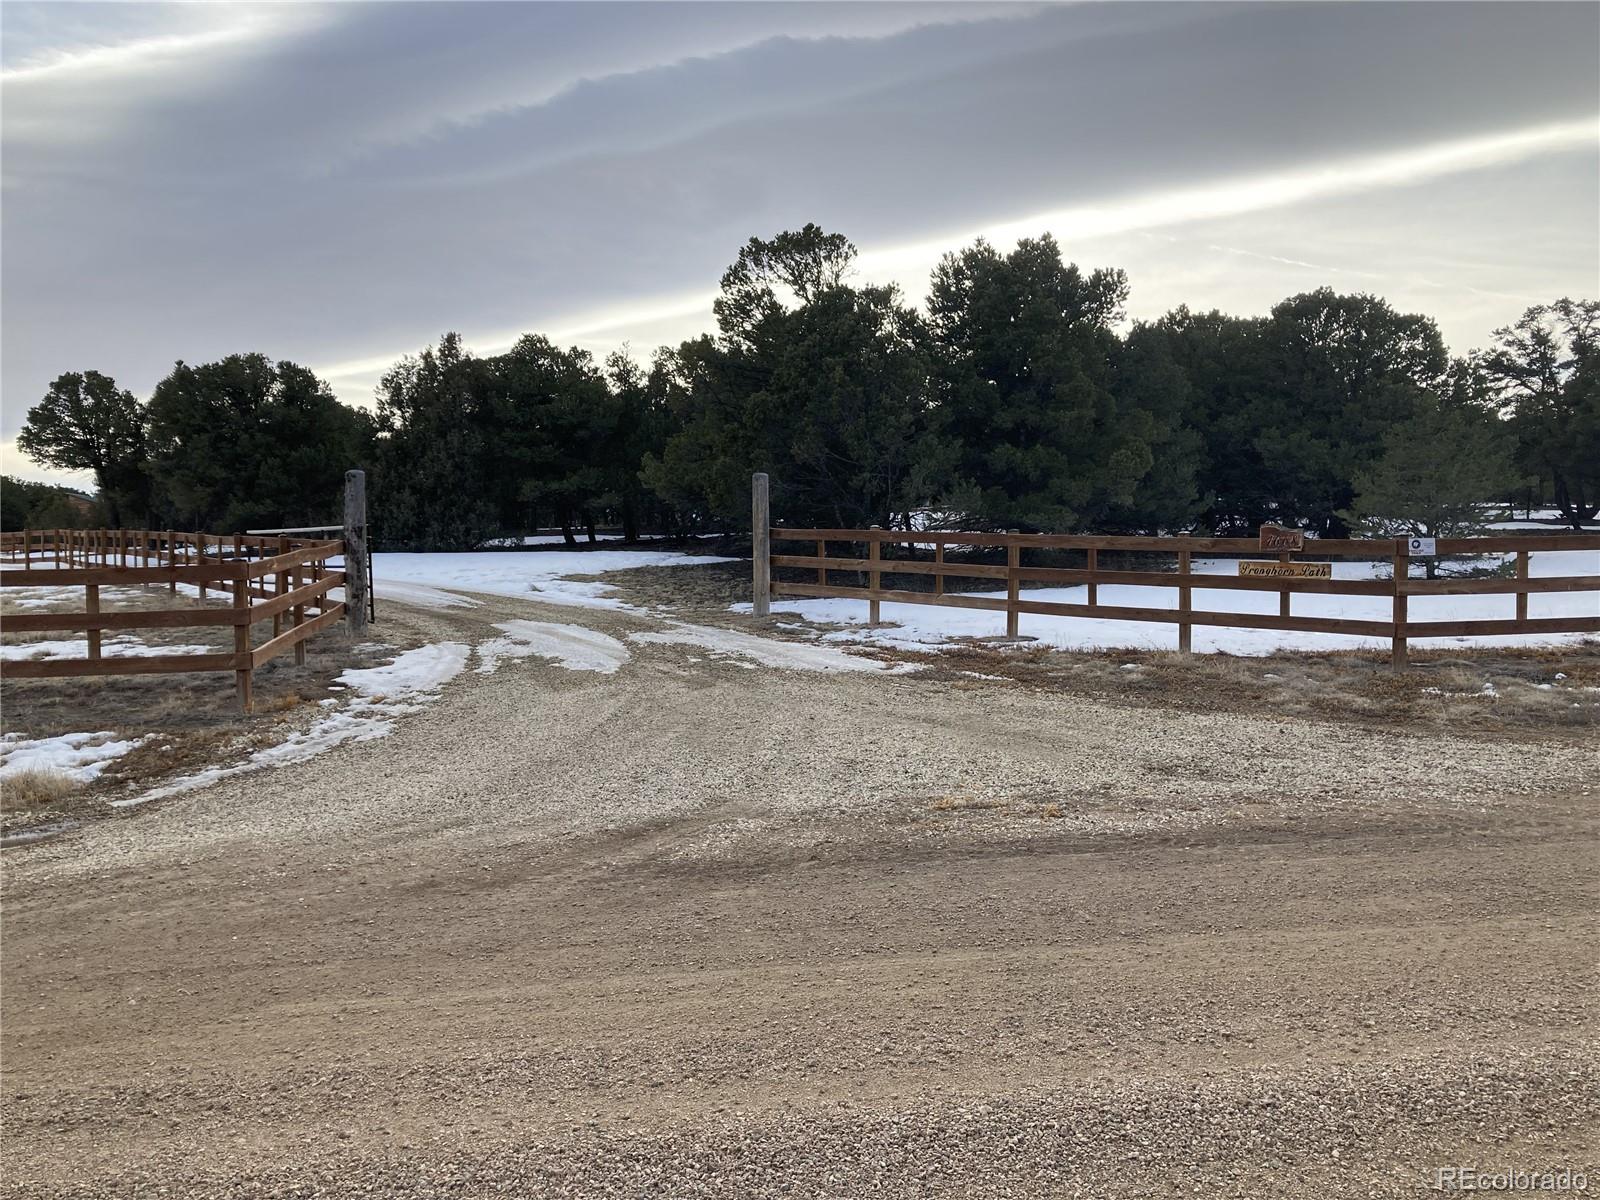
[{"x": 1420, "y": 547}]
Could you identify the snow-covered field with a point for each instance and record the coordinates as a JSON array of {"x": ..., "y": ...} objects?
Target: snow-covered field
[
  {"x": 431, "y": 579},
  {"x": 926, "y": 627}
]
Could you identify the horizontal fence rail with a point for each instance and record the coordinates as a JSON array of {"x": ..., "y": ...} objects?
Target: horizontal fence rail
[
  {"x": 1304, "y": 570},
  {"x": 282, "y": 579}
]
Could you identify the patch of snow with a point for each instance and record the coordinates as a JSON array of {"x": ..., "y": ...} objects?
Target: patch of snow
[
  {"x": 419, "y": 595},
  {"x": 572, "y": 646},
  {"x": 552, "y": 539},
  {"x": 420, "y": 672},
  {"x": 122, "y": 645},
  {"x": 79, "y": 756},
  {"x": 545, "y": 576},
  {"x": 44, "y": 597},
  {"x": 766, "y": 652},
  {"x": 396, "y": 689}
]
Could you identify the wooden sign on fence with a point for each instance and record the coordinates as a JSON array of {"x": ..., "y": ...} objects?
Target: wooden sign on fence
[
  {"x": 1280, "y": 570},
  {"x": 1275, "y": 538}
]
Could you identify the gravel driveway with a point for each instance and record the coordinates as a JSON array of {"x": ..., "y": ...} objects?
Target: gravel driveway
[{"x": 697, "y": 926}]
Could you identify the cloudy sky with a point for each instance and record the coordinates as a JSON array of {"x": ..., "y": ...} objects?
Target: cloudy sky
[{"x": 340, "y": 184}]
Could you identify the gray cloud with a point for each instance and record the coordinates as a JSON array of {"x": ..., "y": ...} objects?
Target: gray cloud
[{"x": 329, "y": 184}]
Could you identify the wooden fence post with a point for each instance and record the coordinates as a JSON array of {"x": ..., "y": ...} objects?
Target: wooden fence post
[
  {"x": 91, "y": 604},
  {"x": 1283, "y": 596},
  {"x": 822, "y": 572},
  {"x": 355, "y": 551},
  {"x": 874, "y": 577},
  {"x": 938, "y": 558},
  {"x": 1091, "y": 561},
  {"x": 299, "y": 616},
  {"x": 1522, "y": 577},
  {"x": 243, "y": 676},
  {"x": 1401, "y": 572},
  {"x": 1185, "y": 629},
  {"x": 1013, "y": 585},
  {"x": 760, "y": 546}
]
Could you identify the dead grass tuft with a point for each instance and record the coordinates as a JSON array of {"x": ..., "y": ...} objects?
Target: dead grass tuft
[{"x": 28, "y": 790}]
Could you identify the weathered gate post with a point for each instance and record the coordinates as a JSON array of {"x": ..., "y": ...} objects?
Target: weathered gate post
[
  {"x": 355, "y": 551},
  {"x": 761, "y": 545}
]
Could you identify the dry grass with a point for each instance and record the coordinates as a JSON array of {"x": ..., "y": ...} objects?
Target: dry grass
[
  {"x": 1530, "y": 694},
  {"x": 26, "y": 791}
]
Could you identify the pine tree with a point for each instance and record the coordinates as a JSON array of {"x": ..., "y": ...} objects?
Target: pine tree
[
  {"x": 1545, "y": 372},
  {"x": 821, "y": 384},
  {"x": 1028, "y": 392},
  {"x": 245, "y": 442},
  {"x": 86, "y": 423},
  {"x": 432, "y": 459},
  {"x": 1438, "y": 475}
]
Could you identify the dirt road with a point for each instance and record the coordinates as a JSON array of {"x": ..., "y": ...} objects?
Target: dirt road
[{"x": 694, "y": 928}]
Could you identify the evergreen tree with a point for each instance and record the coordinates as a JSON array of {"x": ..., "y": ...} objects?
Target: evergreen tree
[
  {"x": 1337, "y": 371},
  {"x": 1545, "y": 374},
  {"x": 1028, "y": 392},
  {"x": 28, "y": 505},
  {"x": 644, "y": 424},
  {"x": 1438, "y": 473},
  {"x": 433, "y": 461},
  {"x": 819, "y": 383},
  {"x": 86, "y": 423},
  {"x": 245, "y": 442},
  {"x": 552, "y": 421},
  {"x": 1157, "y": 399}
]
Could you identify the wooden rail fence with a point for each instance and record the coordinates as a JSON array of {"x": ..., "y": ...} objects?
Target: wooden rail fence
[
  {"x": 282, "y": 579},
  {"x": 1399, "y": 629}
]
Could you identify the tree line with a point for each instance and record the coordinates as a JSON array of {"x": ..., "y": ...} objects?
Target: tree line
[{"x": 1012, "y": 399}]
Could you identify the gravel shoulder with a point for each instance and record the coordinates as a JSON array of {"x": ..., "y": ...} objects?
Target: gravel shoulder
[{"x": 693, "y": 928}]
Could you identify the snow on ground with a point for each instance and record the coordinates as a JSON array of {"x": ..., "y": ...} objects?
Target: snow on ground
[
  {"x": 78, "y": 756},
  {"x": 382, "y": 694},
  {"x": 551, "y": 539},
  {"x": 418, "y": 594},
  {"x": 122, "y": 645},
  {"x": 44, "y": 597},
  {"x": 543, "y": 576},
  {"x": 572, "y": 646},
  {"x": 766, "y": 652},
  {"x": 927, "y": 627}
]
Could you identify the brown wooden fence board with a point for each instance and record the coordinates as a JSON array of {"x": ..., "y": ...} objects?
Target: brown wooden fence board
[
  {"x": 1201, "y": 616},
  {"x": 1489, "y": 587},
  {"x": 111, "y": 576},
  {"x": 162, "y": 618},
  {"x": 1224, "y": 583},
  {"x": 151, "y": 664},
  {"x": 1525, "y": 625},
  {"x": 948, "y": 600}
]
